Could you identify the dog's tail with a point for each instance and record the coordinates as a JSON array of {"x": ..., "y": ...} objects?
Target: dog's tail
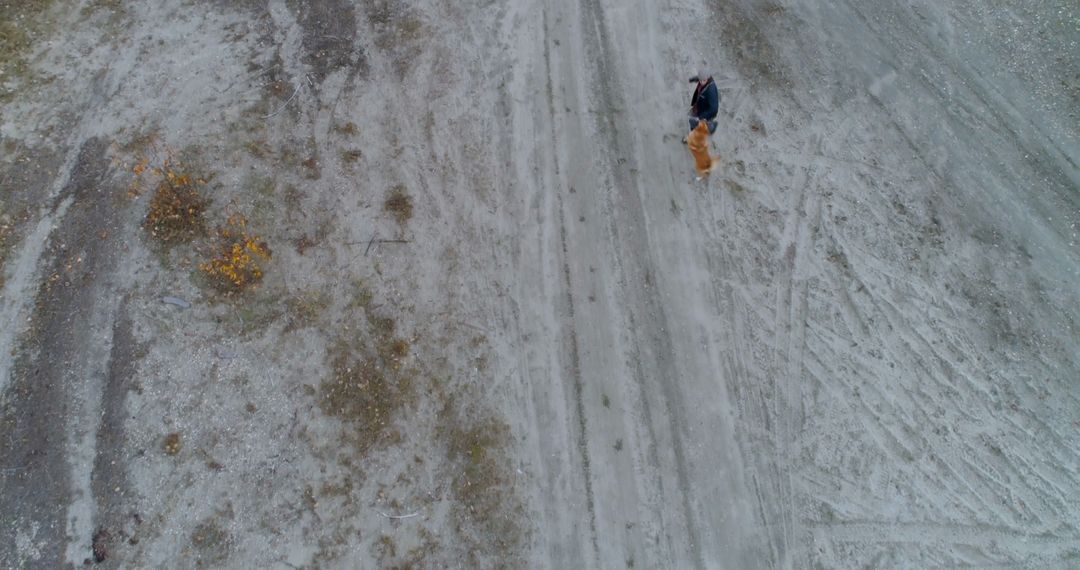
[{"x": 714, "y": 161}]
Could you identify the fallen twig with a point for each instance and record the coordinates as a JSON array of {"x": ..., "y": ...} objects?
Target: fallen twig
[
  {"x": 408, "y": 516},
  {"x": 382, "y": 241},
  {"x": 472, "y": 326},
  {"x": 298, "y": 86}
]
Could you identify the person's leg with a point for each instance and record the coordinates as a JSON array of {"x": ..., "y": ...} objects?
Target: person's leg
[{"x": 693, "y": 125}]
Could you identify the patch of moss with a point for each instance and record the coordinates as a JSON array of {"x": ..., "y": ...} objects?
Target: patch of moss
[
  {"x": 394, "y": 352},
  {"x": 255, "y": 313},
  {"x": 382, "y": 327},
  {"x": 212, "y": 543},
  {"x": 258, "y": 148},
  {"x": 305, "y": 309},
  {"x": 366, "y": 395},
  {"x": 23, "y": 23},
  {"x": 484, "y": 500},
  {"x": 141, "y": 142},
  {"x": 6, "y": 230},
  {"x": 261, "y": 185},
  {"x": 386, "y": 547},
  {"x": 362, "y": 295},
  {"x": 294, "y": 200},
  {"x": 344, "y": 489}
]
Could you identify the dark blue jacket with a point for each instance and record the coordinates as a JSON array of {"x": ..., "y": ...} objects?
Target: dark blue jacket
[{"x": 705, "y": 102}]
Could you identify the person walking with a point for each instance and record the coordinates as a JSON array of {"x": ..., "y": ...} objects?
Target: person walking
[{"x": 705, "y": 102}]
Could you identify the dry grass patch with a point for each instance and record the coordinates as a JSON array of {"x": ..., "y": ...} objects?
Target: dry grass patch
[
  {"x": 177, "y": 208},
  {"x": 398, "y": 31},
  {"x": 348, "y": 129},
  {"x": 308, "y": 241},
  {"x": 351, "y": 156},
  {"x": 399, "y": 203},
  {"x": 386, "y": 552}
]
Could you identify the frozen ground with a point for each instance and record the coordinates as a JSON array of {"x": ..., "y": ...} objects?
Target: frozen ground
[{"x": 856, "y": 346}]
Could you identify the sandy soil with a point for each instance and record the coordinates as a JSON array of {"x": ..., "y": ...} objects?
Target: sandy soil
[{"x": 501, "y": 324}]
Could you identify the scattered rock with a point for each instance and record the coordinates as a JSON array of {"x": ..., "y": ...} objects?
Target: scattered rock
[{"x": 176, "y": 301}]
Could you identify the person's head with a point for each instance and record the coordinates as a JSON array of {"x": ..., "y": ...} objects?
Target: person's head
[{"x": 704, "y": 75}]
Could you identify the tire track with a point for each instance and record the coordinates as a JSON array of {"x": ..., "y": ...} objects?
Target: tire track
[
  {"x": 1036, "y": 548},
  {"x": 572, "y": 342},
  {"x": 575, "y": 371},
  {"x": 790, "y": 342},
  {"x": 633, "y": 260},
  {"x": 53, "y": 412}
]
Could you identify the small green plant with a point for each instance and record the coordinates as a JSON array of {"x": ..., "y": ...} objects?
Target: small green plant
[{"x": 171, "y": 445}]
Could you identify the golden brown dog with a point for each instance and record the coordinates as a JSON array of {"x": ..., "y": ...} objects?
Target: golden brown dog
[{"x": 698, "y": 143}]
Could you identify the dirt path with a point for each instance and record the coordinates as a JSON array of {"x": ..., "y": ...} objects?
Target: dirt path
[{"x": 622, "y": 408}]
